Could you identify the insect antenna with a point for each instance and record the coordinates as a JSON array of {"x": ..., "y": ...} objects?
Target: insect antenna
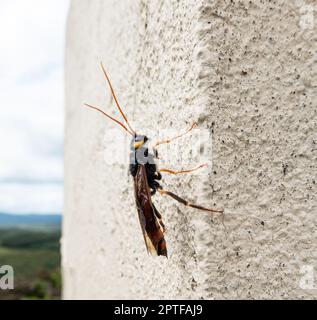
[
  {"x": 115, "y": 98},
  {"x": 107, "y": 115}
]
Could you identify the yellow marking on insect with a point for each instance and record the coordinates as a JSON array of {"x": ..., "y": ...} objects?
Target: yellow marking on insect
[{"x": 138, "y": 144}]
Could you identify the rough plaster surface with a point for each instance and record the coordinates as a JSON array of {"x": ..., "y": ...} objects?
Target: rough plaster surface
[{"x": 246, "y": 70}]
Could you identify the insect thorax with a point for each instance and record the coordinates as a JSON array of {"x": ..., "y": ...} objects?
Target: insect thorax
[{"x": 143, "y": 155}]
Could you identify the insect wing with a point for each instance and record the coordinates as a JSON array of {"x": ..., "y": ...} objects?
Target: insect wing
[{"x": 151, "y": 228}]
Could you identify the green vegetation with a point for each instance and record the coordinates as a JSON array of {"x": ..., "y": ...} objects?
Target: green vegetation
[{"x": 35, "y": 257}]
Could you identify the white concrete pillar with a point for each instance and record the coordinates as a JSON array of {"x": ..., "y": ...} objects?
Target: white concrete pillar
[{"x": 245, "y": 71}]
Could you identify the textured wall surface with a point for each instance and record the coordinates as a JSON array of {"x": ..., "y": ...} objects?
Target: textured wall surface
[{"x": 245, "y": 70}]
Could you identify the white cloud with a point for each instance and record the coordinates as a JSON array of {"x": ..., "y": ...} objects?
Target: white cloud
[
  {"x": 32, "y": 35},
  {"x": 31, "y": 94},
  {"x": 37, "y": 198}
]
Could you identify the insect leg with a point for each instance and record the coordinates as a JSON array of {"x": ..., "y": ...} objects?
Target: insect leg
[
  {"x": 188, "y": 204},
  {"x": 183, "y": 171},
  {"x": 194, "y": 125}
]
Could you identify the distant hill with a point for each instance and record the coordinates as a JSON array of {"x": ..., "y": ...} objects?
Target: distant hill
[{"x": 30, "y": 220}]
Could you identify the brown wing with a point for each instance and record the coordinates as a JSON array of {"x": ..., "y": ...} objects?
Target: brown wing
[{"x": 151, "y": 228}]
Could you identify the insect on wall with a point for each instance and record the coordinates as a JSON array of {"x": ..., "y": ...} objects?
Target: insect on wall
[{"x": 143, "y": 158}]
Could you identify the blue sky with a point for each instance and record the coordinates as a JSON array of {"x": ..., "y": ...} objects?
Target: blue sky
[{"x": 32, "y": 37}]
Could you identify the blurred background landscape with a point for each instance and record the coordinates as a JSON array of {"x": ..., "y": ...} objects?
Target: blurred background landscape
[
  {"x": 30, "y": 244},
  {"x": 31, "y": 141}
]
